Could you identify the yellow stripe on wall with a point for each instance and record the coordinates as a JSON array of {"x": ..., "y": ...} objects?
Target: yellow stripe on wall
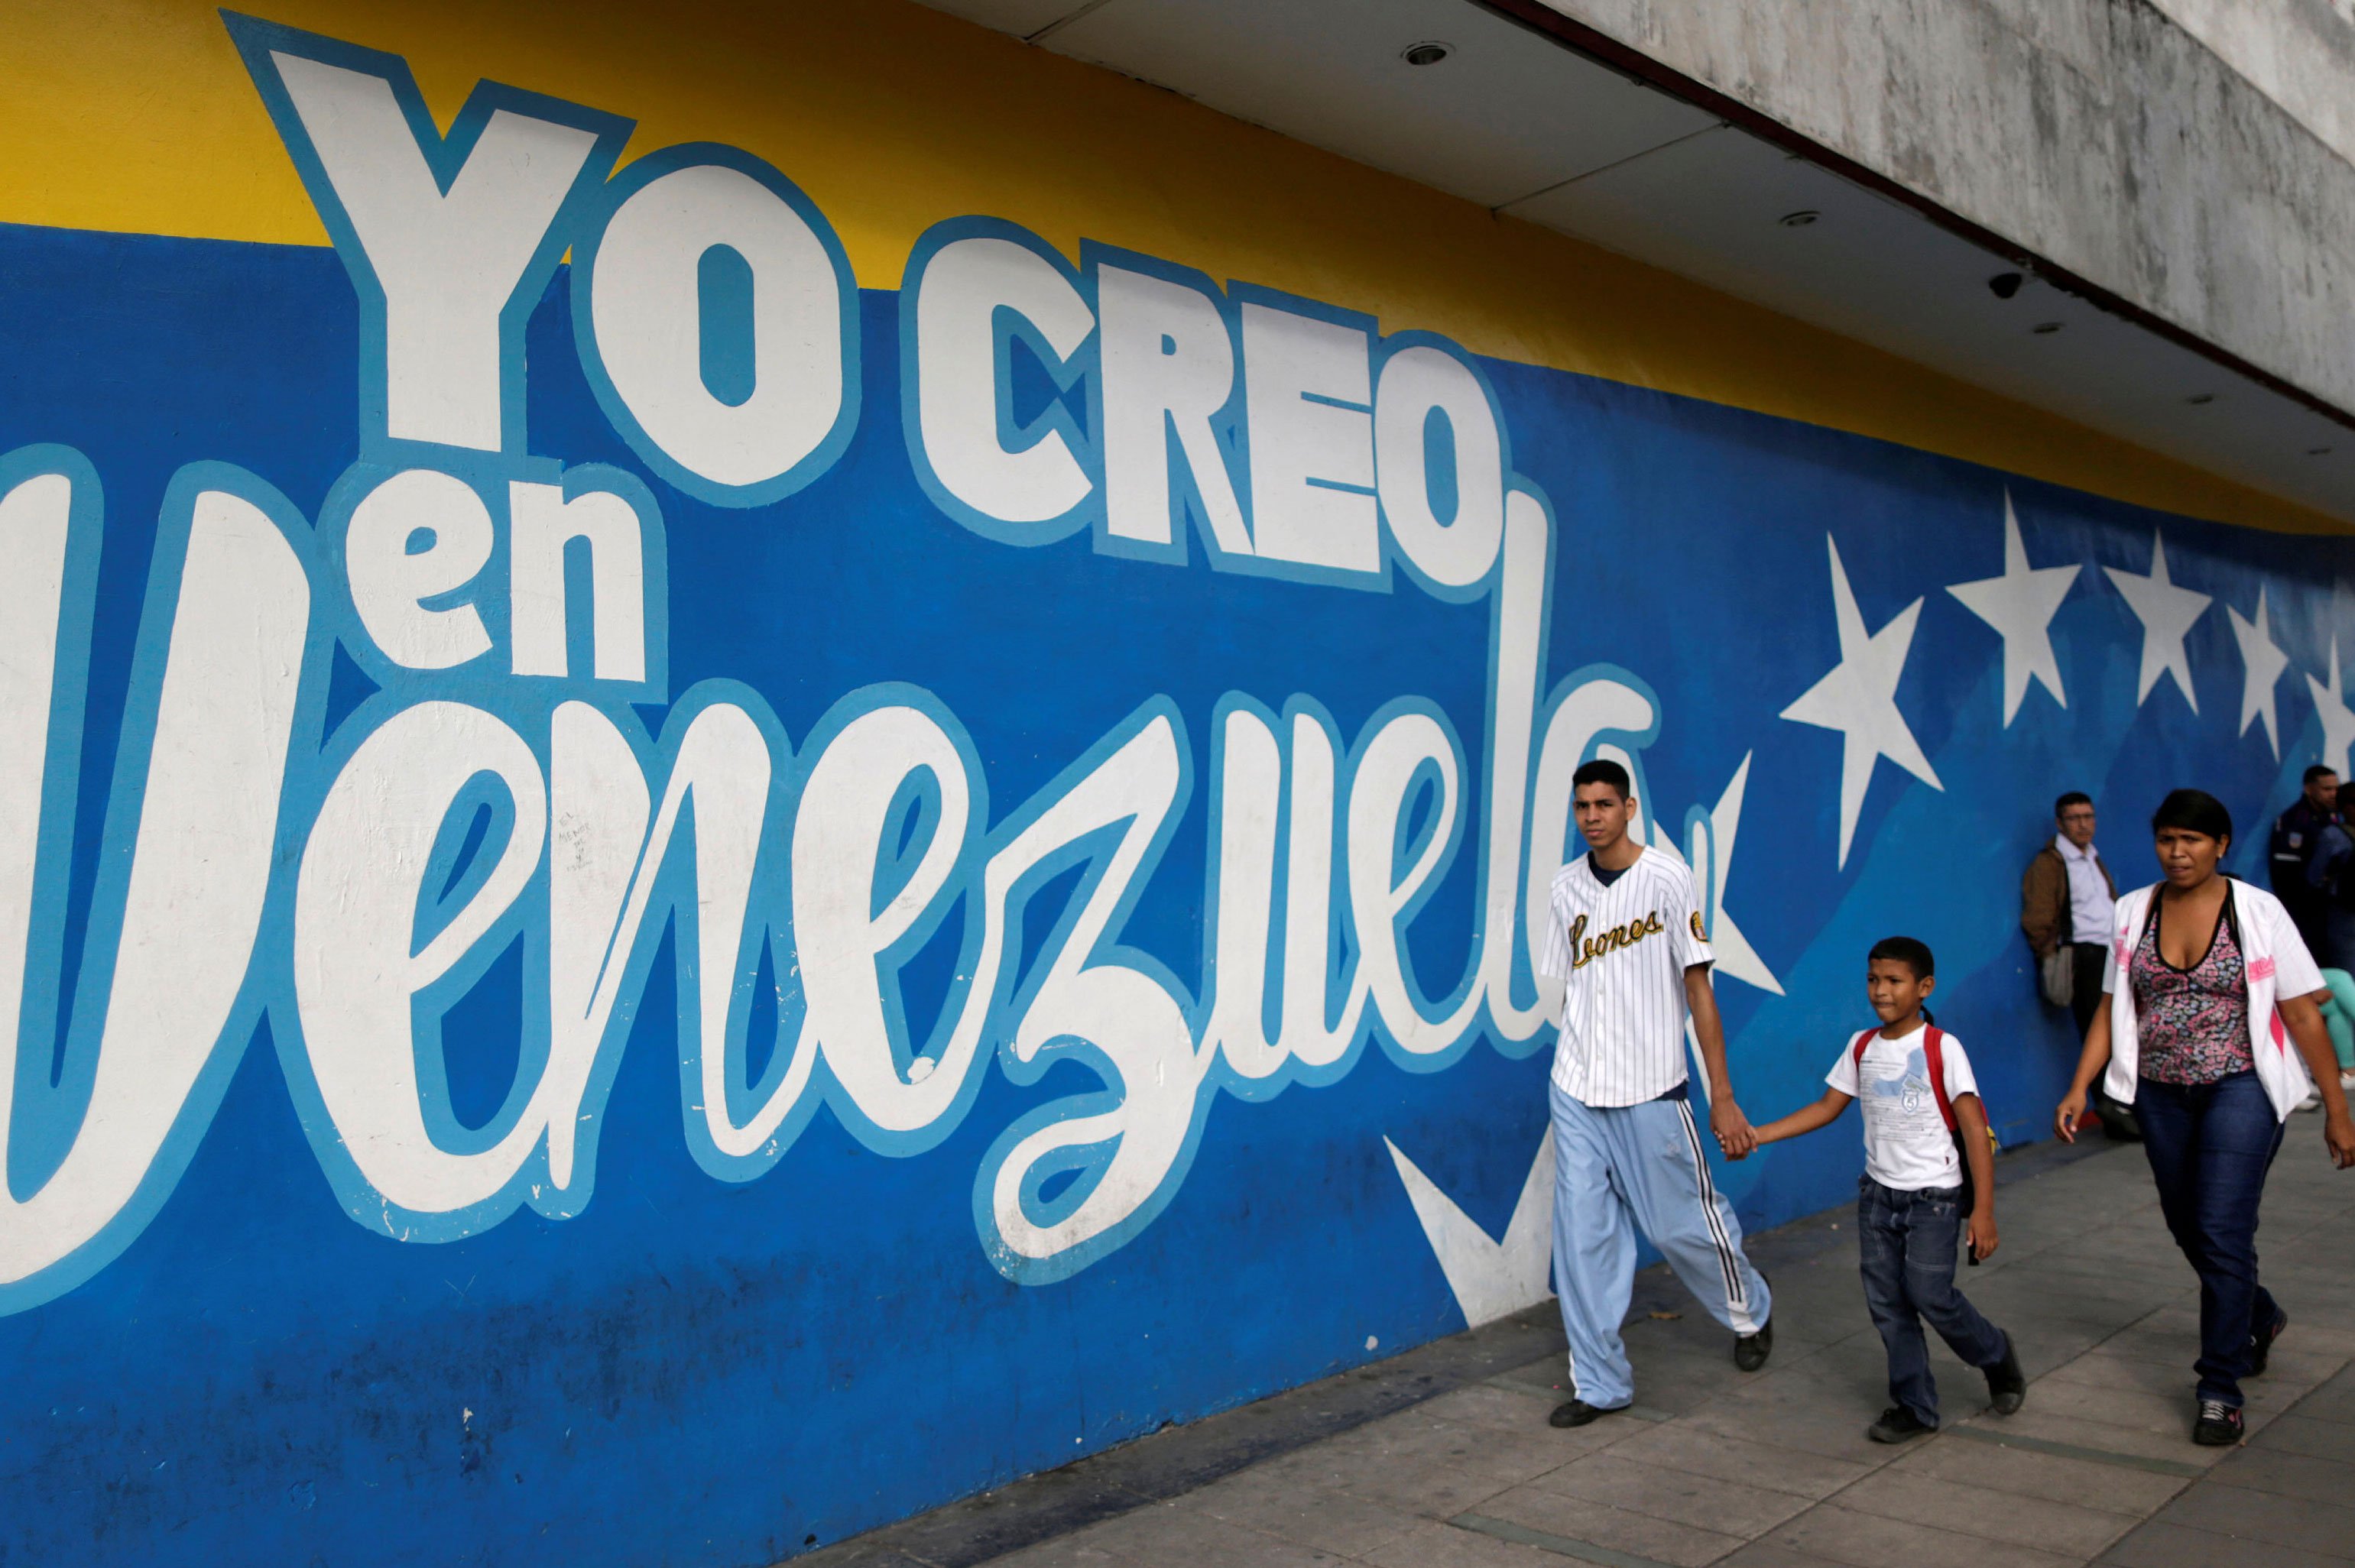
[{"x": 137, "y": 116}]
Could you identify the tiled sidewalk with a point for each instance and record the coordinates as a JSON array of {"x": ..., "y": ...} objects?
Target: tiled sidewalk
[{"x": 1772, "y": 1470}]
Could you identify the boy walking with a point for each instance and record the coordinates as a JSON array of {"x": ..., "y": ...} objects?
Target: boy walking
[{"x": 1918, "y": 1189}]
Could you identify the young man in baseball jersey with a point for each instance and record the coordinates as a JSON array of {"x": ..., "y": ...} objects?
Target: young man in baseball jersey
[{"x": 1627, "y": 942}]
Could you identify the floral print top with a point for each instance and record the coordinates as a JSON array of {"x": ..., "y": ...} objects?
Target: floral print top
[{"x": 2193, "y": 1024}]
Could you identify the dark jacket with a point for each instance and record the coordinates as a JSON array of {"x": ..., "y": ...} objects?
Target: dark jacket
[
  {"x": 2044, "y": 899},
  {"x": 2298, "y": 833}
]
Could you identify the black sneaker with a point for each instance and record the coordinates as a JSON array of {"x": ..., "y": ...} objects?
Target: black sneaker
[
  {"x": 2219, "y": 1425},
  {"x": 2007, "y": 1385},
  {"x": 1751, "y": 1350},
  {"x": 1578, "y": 1413},
  {"x": 1898, "y": 1425},
  {"x": 2261, "y": 1344}
]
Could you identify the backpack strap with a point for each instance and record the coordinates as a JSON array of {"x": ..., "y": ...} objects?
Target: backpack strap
[
  {"x": 1932, "y": 1046},
  {"x": 1856, "y": 1054}
]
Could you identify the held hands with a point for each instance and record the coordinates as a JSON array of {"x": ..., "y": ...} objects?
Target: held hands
[
  {"x": 1982, "y": 1235},
  {"x": 1734, "y": 1133}
]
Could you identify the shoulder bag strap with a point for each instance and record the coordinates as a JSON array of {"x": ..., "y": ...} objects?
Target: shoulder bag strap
[{"x": 1932, "y": 1046}]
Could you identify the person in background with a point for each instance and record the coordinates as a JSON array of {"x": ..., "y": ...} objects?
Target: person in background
[
  {"x": 2330, "y": 884},
  {"x": 2338, "y": 1018},
  {"x": 2208, "y": 989},
  {"x": 2067, "y": 898},
  {"x": 2299, "y": 833},
  {"x": 2330, "y": 878}
]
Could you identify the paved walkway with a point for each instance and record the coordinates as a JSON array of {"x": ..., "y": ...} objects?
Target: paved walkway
[{"x": 1772, "y": 1470}]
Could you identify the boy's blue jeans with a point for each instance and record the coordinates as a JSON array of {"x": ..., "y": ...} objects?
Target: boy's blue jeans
[
  {"x": 1905, "y": 1246},
  {"x": 2209, "y": 1147}
]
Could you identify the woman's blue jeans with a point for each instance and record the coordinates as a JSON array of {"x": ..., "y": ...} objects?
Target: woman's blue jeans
[
  {"x": 1905, "y": 1248},
  {"x": 2210, "y": 1146}
]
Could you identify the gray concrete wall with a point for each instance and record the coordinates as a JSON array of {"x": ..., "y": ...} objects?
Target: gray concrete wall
[
  {"x": 2299, "y": 53},
  {"x": 2103, "y": 135}
]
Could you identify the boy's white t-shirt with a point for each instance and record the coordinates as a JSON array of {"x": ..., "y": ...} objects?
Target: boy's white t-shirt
[{"x": 1906, "y": 1144}]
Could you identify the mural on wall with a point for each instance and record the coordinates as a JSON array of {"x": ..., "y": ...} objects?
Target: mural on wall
[{"x": 1096, "y": 737}]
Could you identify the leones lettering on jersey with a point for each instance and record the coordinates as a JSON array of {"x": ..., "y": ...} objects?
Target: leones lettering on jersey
[{"x": 1621, "y": 950}]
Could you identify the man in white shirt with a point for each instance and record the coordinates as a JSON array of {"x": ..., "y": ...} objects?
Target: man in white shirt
[
  {"x": 2067, "y": 899},
  {"x": 1627, "y": 941}
]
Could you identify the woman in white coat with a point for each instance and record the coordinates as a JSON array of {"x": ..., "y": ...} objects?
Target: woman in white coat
[{"x": 2211, "y": 1029}]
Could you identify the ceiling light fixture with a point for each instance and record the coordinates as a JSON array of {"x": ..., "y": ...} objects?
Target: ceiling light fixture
[
  {"x": 1800, "y": 219},
  {"x": 2003, "y": 285},
  {"x": 2045, "y": 329},
  {"x": 2317, "y": 451},
  {"x": 2201, "y": 399},
  {"x": 1428, "y": 53}
]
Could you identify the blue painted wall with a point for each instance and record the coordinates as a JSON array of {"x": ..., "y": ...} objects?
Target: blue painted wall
[{"x": 699, "y": 1370}]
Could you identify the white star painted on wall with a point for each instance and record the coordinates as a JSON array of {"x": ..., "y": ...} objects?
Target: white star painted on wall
[
  {"x": 1489, "y": 1278},
  {"x": 2166, "y": 613},
  {"x": 1858, "y": 699},
  {"x": 2021, "y": 605},
  {"x": 2338, "y": 723},
  {"x": 1708, "y": 853},
  {"x": 1711, "y": 857},
  {"x": 2261, "y": 664}
]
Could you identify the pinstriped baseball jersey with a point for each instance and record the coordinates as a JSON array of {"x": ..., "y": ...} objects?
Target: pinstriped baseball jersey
[{"x": 1621, "y": 953}]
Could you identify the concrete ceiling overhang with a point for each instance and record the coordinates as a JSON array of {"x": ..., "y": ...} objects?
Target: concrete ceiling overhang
[{"x": 1534, "y": 117}]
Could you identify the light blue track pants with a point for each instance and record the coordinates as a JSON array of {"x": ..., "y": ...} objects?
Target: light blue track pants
[{"x": 1615, "y": 1169}]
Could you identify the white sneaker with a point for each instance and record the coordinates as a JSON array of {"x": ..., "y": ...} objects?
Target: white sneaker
[
  {"x": 2313, "y": 1100},
  {"x": 2346, "y": 1083}
]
